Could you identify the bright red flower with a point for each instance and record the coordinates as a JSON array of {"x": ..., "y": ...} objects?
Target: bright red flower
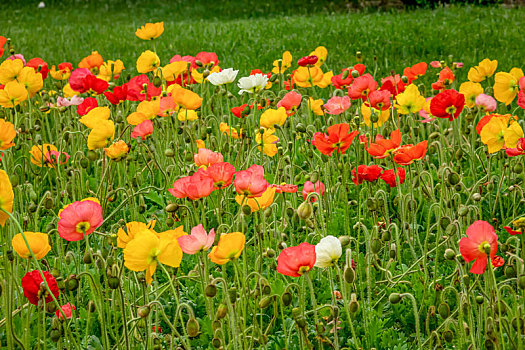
[
  {"x": 342, "y": 83},
  {"x": 310, "y": 187},
  {"x": 394, "y": 84},
  {"x": 382, "y": 147},
  {"x": 143, "y": 130},
  {"x": 497, "y": 261},
  {"x": 307, "y": 61},
  {"x": 481, "y": 241},
  {"x": 362, "y": 86},
  {"x": 118, "y": 94},
  {"x": 39, "y": 65},
  {"x": 338, "y": 138},
  {"x": 446, "y": 78},
  {"x": 94, "y": 85},
  {"x": 221, "y": 174},
  {"x": 369, "y": 173},
  {"x": 237, "y": 111},
  {"x": 35, "y": 289},
  {"x": 379, "y": 99},
  {"x": 76, "y": 79},
  {"x": 136, "y": 91},
  {"x": 519, "y": 150},
  {"x": 286, "y": 188},
  {"x": 291, "y": 101},
  {"x": 88, "y": 104},
  {"x": 447, "y": 104},
  {"x": 296, "y": 261},
  {"x": 389, "y": 176},
  {"x": 251, "y": 182},
  {"x": 406, "y": 154},
  {"x": 512, "y": 232},
  {"x": 2, "y": 43},
  {"x": 196, "y": 186},
  {"x": 414, "y": 72},
  {"x": 67, "y": 309}
]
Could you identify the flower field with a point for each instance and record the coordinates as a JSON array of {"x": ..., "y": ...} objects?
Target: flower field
[{"x": 178, "y": 201}]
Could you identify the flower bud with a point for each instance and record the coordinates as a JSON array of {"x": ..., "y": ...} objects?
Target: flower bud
[
  {"x": 72, "y": 283},
  {"x": 375, "y": 245},
  {"x": 448, "y": 335},
  {"x": 404, "y": 79},
  {"x": 286, "y": 298},
  {"x": 518, "y": 168},
  {"x": 450, "y": 254},
  {"x": 55, "y": 335},
  {"x": 349, "y": 274},
  {"x": 168, "y": 152},
  {"x": 354, "y": 304},
  {"x": 394, "y": 298},
  {"x": 443, "y": 310},
  {"x": 143, "y": 311},
  {"x": 305, "y": 210},
  {"x": 210, "y": 290},
  {"x": 113, "y": 282},
  {"x": 479, "y": 299},
  {"x": 346, "y": 73},
  {"x": 344, "y": 240},
  {"x": 172, "y": 207},
  {"x": 216, "y": 343},
  {"x": 265, "y": 302},
  {"x": 355, "y": 73},
  {"x": 270, "y": 253},
  {"x": 157, "y": 82},
  {"x": 92, "y": 155},
  {"x": 193, "y": 328},
  {"x": 453, "y": 179},
  {"x": 521, "y": 282},
  {"x": 222, "y": 310}
]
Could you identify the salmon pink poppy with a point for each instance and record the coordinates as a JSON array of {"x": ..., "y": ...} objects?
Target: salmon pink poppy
[
  {"x": 251, "y": 182},
  {"x": 207, "y": 58},
  {"x": 34, "y": 287},
  {"x": 221, "y": 174},
  {"x": 285, "y": 188},
  {"x": 339, "y": 138},
  {"x": 481, "y": 241},
  {"x": 379, "y": 99},
  {"x": 406, "y": 154},
  {"x": 204, "y": 158},
  {"x": 67, "y": 309},
  {"x": 416, "y": 71},
  {"x": 382, "y": 147},
  {"x": 296, "y": 261},
  {"x": 339, "y": 82},
  {"x": 447, "y": 104},
  {"x": 337, "y": 105},
  {"x": 446, "y": 78},
  {"x": 290, "y": 102},
  {"x": 78, "y": 219},
  {"x": 362, "y": 86},
  {"x": 143, "y": 130},
  {"x": 389, "y": 176},
  {"x": 488, "y": 103},
  {"x": 196, "y": 186},
  {"x": 310, "y": 187},
  {"x": 197, "y": 241},
  {"x": 368, "y": 173}
]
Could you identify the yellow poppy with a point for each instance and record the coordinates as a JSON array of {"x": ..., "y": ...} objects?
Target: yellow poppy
[
  {"x": 470, "y": 90},
  {"x": 117, "y": 151},
  {"x": 110, "y": 70},
  {"x": 100, "y": 136},
  {"x": 272, "y": 117},
  {"x": 148, "y": 61},
  {"x": 124, "y": 237},
  {"x": 93, "y": 118},
  {"x": 10, "y": 70},
  {"x": 38, "y": 242},
  {"x": 258, "y": 203},
  {"x": 7, "y": 134},
  {"x": 409, "y": 101},
  {"x": 321, "y": 52},
  {"x": 187, "y": 115},
  {"x": 6, "y": 197},
  {"x": 381, "y": 115},
  {"x": 186, "y": 98},
  {"x": 506, "y": 85},
  {"x": 150, "y": 31},
  {"x": 230, "y": 247},
  {"x": 484, "y": 69},
  {"x": 497, "y": 133},
  {"x": 316, "y": 106},
  {"x": 12, "y": 94},
  {"x": 286, "y": 62},
  {"x": 308, "y": 76},
  {"x": 267, "y": 142},
  {"x": 32, "y": 80}
]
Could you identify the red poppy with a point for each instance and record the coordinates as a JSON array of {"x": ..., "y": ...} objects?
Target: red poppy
[
  {"x": 221, "y": 174},
  {"x": 382, "y": 147},
  {"x": 207, "y": 58},
  {"x": 143, "y": 130},
  {"x": 94, "y": 85},
  {"x": 342, "y": 83},
  {"x": 406, "y": 154},
  {"x": 338, "y": 138},
  {"x": 295, "y": 261},
  {"x": 369, "y": 173},
  {"x": 34, "y": 287},
  {"x": 362, "y": 86},
  {"x": 39, "y": 65},
  {"x": 88, "y": 104},
  {"x": 519, "y": 150},
  {"x": 394, "y": 84},
  {"x": 310, "y": 187},
  {"x": 251, "y": 182},
  {"x": 2, "y": 43},
  {"x": 447, "y": 104},
  {"x": 481, "y": 241},
  {"x": 379, "y": 99},
  {"x": 513, "y": 232},
  {"x": 194, "y": 187},
  {"x": 137, "y": 92},
  {"x": 67, "y": 309},
  {"x": 118, "y": 94},
  {"x": 446, "y": 78},
  {"x": 389, "y": 176},
  {"x": 307, "y": 61},
  {"x": 285, "y": 188},
  {"x": 237, "y": 111},
  {"x": 414, "y": 72},
  {"x": 497, "y": 261}
]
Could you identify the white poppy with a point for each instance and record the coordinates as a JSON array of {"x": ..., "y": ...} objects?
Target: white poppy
[
  {"x": 253, "y": 83},
  {"x": 226, "y": 76},
  {"x": 328, "y": 251}
]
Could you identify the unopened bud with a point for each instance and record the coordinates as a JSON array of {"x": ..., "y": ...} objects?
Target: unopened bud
[
  {"x": 394, "y": 298},
  {"x": 143, "y": 311},
  {"x": 450, "y": 254},
  {"x": 305, "y": 210},
  {"x": 193, "y": 328}
]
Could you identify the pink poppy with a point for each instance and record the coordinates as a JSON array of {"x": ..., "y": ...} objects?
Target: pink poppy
[
  {"x": 337, "y": 105},
  {"x": 481, "y": 241},
  {"x": 73, "y": 101},
  {"x": 362, "y": 86},
  {"x": 143, "y": 130},
  {"x": 204, "y": 158},
  {"x": 79, "y": 218},
  {"x": 67, "y": 309},
  {"x": 197, "y": 241},
  {"x": 310, "y": 187},
  {"x": 487, "y": 103},
  {"x": 251, "y": 182},
  {"x": 290, "y": 102},
  {"x": 193, "y": 187},
  {"x": 221, "y": 174}
]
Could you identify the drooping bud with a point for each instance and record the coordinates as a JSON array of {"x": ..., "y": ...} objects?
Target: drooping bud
[
  {"x": 193, "y": 328},
  {"x": 450, "y": 254},
  {"x": 354, "y": 304},
  {"x": 305, "y": 210},
  {"x": 143, "y": 311},
  {"x": 222, "y": 310},
  {"x": 211, "y": 290},
  {"x": 394, "y": 298},
  {"x": 443, "y": 310}
]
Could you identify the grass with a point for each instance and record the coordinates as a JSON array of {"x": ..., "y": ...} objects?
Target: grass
[{"x": 247, "y": 36}]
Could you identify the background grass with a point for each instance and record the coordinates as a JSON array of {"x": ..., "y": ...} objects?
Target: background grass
[{"x": 248, "y": 35}]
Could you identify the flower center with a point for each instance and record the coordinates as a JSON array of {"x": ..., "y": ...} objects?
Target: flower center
[
  {"x": 83, "y": 226},
  {"x": 484, "y": 247},
  {"x": 303, "y": 269},
  {"x": 451, "y": 110}
]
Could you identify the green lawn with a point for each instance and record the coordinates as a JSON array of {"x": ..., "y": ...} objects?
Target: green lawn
[{"x": 247, "y": 37}]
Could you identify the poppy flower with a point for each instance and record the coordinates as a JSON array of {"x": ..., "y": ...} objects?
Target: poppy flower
[
  {"x": 519, "y": 150},
  {"x": 143, "y": 130},
  {"x": 117, "y": 151},
  {"x": 7, "y": 134},
  {"x": 226, "y": 76},
  {"x": 379, "y": 99},
  {"x": 150, "y": 31},
  {"x": 87, "y": 105},
  {"x": 66, "y": 102},
  {"x": 132, "y": 228},
  {"x": 6, "y": 197},
  {"x": 362, "y": 86},
  {"x": 96, "y": 115},
  {"x": 207, "y": 58},
  {"x": 506, "y": 85},
  {"x": 193, "y": 187},
  {"x": 3, "y": 40},
  {"x": 308, "y": 77},
  {"x": 296, "y": 261},
  {"x": 267, "y": 142},
  {"x": 481, "y": 241},
  {"x": 76, "y": 79},
  {"x": 63, "y": 72},
  {"x": 92, "y": 62},
  {"x": 110, "y": 70},
  {"x": 252, "y": 84},
  {"x": 137, "y": 92},
  {"x": 307, "y": 61},
  {"x": 447, "y": 104},
  {"x": 406, "y": 154},
  {"x": 519, "y": 224},
  {"x": 31, "y": 80},
  {"x": 280, "y": 66},
  {"x": 34, "y": 287},
  {"x": 47, "y": 155},
  {"x": 290, "y": 102},
  {"x": 368, "y": 173},
  {"x": 197, "y": 241},
  {"x": 10, "y": 70},
  {"x": 67, "y": 309},
  {"x": 501, "y": 132},
  {"x": 482, "y": 71},
  {"x": 186, "y": 98},
  {"x": 382, "y": 116},
  {"x": 38, "y": 243},
  {"x": 389, "y": 176},
  {"x": 310, "y": 187},
  {"x": 416, "y": 71},
  {"x": 446, "y": 78},
  {"x": 230, "y": 131},
  {"x": 148, "y": 61},
  {"x": 230, "y": 247},
  {"x": 471, "y": 91},
  {"x": 382, "y": 147},
  {"x": 119, "y": 94},
  {"x": 101, "y": 135},
  {"x": 271, "y": 117},
  {"x": 78, "y": 219},
  {"x": 328, "y": 251},
  {"x": 204, "y": 158},
  {"x": 147, "y": 249},
  {"x": 337, "y": 105},
  {"x": 251, "y": 182},
  {"x": 285, "y": 188},
  {"x": 393, "y": 84},
  {"x": 39, "y": 65},
  {"x": 93, "y": 85},
  {"x": 258, "y": 203},
  {"x": 339, "y": 138},
  {"x": 221, "y": 174},
  {"x": 341, "y": 82},
  {"x": 13, "y": 94},
  {"x": 316, "y": 106},
  {"x": 321, "y": 53},
  {"x": 487, "y": 103}
]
